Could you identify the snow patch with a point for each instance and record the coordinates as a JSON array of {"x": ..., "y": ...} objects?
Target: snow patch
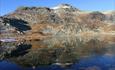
[{"x": 61, "y": 6}]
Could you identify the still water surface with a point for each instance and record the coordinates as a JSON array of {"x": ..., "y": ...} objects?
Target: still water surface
[{"x": 62, "y": 53}]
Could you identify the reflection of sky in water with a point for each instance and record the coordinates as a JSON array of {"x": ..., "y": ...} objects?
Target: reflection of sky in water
[
  {"x": 96, "y": 62},
  {"x": 90, "y": 63}
]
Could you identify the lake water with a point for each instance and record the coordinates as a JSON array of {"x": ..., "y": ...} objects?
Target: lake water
[{"x": 60, "y": 53}]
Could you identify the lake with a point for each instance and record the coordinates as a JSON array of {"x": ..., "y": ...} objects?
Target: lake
[{"x": 59, "y": 53}]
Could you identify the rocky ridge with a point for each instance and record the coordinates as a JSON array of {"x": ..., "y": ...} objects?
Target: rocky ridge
[{"x": 61, "y": 20}]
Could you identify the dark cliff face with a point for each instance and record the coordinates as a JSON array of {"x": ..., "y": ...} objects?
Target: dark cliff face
[
  {"x": 4, "y": 24},
  {"x": 66, "y": 16},
  {"x": 7, "y": 24}
]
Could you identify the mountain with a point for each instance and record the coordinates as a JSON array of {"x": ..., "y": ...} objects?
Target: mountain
[{"x": 63, "y": 19}]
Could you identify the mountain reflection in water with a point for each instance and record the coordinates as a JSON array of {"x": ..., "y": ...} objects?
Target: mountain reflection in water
[{"x": 61, "y": 53}]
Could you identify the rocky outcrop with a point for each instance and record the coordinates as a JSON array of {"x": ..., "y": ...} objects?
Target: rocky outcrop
[
  {"x": 4, "y": 24},
  {"x": 97, "y": 16},
  {"x": 112, "y": 17}
]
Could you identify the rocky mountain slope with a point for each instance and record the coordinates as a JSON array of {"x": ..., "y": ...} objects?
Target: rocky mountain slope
[{"x": 63, "y": 19}]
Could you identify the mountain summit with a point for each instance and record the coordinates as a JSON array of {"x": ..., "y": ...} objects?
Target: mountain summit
[
  {"x": 65, "y": 6},
  {"x": 62, "y": 6}
]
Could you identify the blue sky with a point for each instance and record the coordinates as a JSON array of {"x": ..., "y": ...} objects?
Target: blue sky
[{"x": 7, "y": 6}]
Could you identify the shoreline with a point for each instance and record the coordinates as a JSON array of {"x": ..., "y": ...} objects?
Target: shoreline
[{"x": 38, "y": 37}]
